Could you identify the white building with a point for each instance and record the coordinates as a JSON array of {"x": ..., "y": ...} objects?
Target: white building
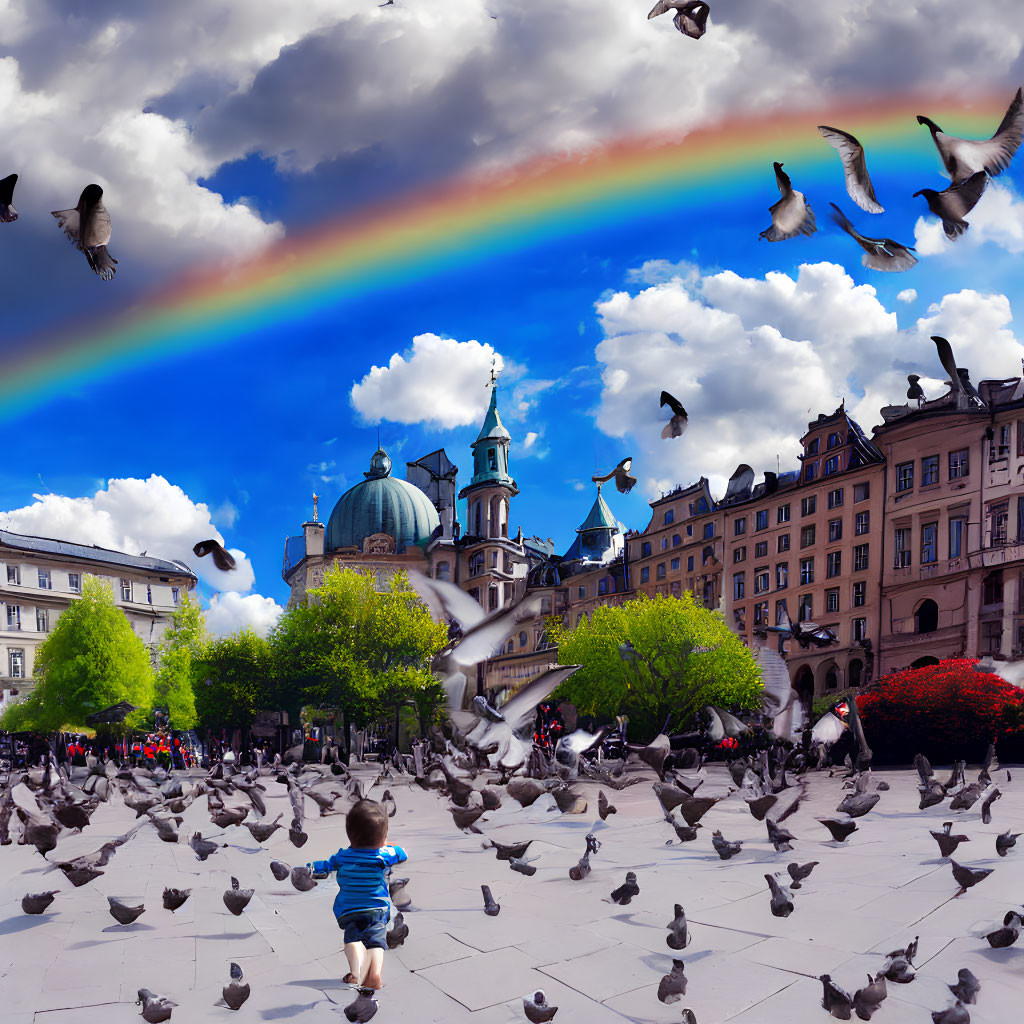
[{"x": 39, "y": 578}]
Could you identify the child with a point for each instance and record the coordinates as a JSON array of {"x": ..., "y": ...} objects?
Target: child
[{"x": 363, "y": 906}]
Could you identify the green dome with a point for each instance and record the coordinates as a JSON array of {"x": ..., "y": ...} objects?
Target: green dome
[{"x": 381, "y": 504}]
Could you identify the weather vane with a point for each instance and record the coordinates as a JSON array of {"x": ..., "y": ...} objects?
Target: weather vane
[
  {"x": 494, "y": 376},
  {"x": 315, "y": 499}
]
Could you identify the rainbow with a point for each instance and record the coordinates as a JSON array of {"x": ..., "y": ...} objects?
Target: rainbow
[{"x": 472, "y": 219}]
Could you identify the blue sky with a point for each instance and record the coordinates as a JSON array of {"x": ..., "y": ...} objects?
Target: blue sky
[{"x": 209, "y": 151}]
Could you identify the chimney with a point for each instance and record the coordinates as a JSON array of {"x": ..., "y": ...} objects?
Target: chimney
[{"x": 314, "y": 534}]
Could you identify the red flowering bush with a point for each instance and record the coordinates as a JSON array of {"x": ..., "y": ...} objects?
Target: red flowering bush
[{"x": 943, "y": 711}]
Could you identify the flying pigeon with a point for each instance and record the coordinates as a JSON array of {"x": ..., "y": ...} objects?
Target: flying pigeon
[
  {"x": 87, "y": 226},
  {"x": 858, "y": 182},
  {"x": 506, "y": 851},
  {"x": 676, "y": 426},
  {"x": 261, "y": 831},
  {"x": 986, "y": 806},
  {"x": 537, "y": 1008},
  {"x": 964, "y": 157},
  {"x": 623, "y": 481},
  {"x": 690, "y": 18},
  {"x": 915, "y": 391},
  {"x": 879, "y": 253},
  {"x": 235, "y": 993},
  {"x": 953, "y": 204},
  {"x": 222, "y": 559},
  {"x": 791, "y": 215},
  {"x": 8, "y": 214},
  {"x": 203, "y": 847}
]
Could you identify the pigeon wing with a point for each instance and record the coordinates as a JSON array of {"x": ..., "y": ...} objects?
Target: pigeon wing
[
  {"x": 778, "y": 690},
  {"x": 673, "y": 403},
  {"x": 519, "y": 711},
  {"x": 998, "y": 151},
  {"x": 858, "y": 182},
  {"x": 661, "y": 7},
  {"x": 447, "y": 601},
  {"x": 959, "y": 200},
  {"x": 828, "y": 729},
  {"x": 483, "y": 640},
  {"x": 782, "y": 180},
  {"x": 68, "y": 221},
  {"x": 945, "y": 351}
]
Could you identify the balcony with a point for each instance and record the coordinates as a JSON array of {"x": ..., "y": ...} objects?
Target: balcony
[{"x": 999, "y": 555}]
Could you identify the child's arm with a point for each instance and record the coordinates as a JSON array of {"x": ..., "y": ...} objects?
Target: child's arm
[
  {"x": 393, "y": 855},
  {"x": 323, "y": 867}
]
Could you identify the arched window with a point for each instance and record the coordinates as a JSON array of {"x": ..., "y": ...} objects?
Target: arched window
[
  {"x": 925, "y": 662},
  {"x": 477, "y": 520},
  {"x": 831, "y": 676},
  {"x": 926, "y": 618},
  {"x": 804, "y": 685},
  {"x": 856, "y": 671},
  {"x": 522, "y": 638}
]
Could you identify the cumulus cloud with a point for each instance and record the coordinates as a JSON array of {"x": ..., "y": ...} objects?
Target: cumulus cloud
[
  {"x": 907, "y": 295},
  {"x": 230, "y": 611},
  {"x": 998, "y": 218},
  {"x": 133, "y": 516},
  {"x": 754, "y": 360}
]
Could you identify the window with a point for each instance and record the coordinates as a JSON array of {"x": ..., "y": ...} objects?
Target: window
[
  {"x": 782, "y": 576},
  {"x": 602, "y": 586},
  {"x": 956, "y": 537},
  {"x": 831, "y": 465},
  {"x": 738, "y": 586},
  {"x": 16, "y": 662},
  {"x": 901, "y": 548},
  {"x": 861, "y": 492},
  {"x": 761, "y": 613},
  {"x": 42, "y": 620},
  {"x": 808, "y": 506},
  {"x": 492, "y": 598},
  {"x": 905, "y": 476},
  {"x": 807, "y": 536},
  {"x": 929, "y": 543},
  {"x": 860, "y": 629},
  {"x": 861, "y": 557},
  {"x": 991, "y": 636},
  {"x": 992, "y": 589},
  {"x": 675, "y": 540},
  {"x": 675, "y": 564},
  {"x": 806, "y": 608},
  {"x": 862, "y": 524},
  {"x": 689, "y": 564},
  {"x": 782, "y": 515},
  {"x": 860, "y": 594},
  {"x": 126, "y": 590},
  {"x": 929, "y": 470},
  {"x": 14, "y": 616},
  {"x": 834, "y": 564},
  {"x": 522, "y": 638},
  {"x": 689, "y": 529},
  {"x": 739, "y": 526},
  {"x": 149, "y": 594},
  {"x": 761, "y": 581},
  {"x": 660, "y": 574},
  {"x": 998, "y": 517},
  {"x": 492, "y": 460},
  {"x": 476, "y": 564},
  {"x": 761, "y": 549},
  {"x": 645, "y": 549},
  {"x": 783, "y": 544},
  {"x": 707, "y": 555},
  {"x": 812, "y": 446},
  {"x": 762, "y": 519},
  {"x": 781, "y": 612},
  {"x": 709, "y": 531},
  {"x": 75, "y": 582},
  {"x": 670, "y": 515},
  {"x": 645, "y": 574},
  {"x": 14, "y": 575},
  {"x": 581, "y": 593},
  {"x": 1020, "y": 444},
  {"x": 832, "y": 600},
  {"x": 810, "y": 471},
  {"x": 835, "y": 530},
  {"x": 999, "y": 446},
  {"x": 835, "y": 498},
  {"x": 44, "y": 580},
  {"x": 738, "y": 555},
  {"x": 959, "y": 464},
  {"x": 832, "y": 677},
  {"x": 806, "y": 570}
]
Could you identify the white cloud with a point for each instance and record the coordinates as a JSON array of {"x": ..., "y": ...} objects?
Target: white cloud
[
  {"x": 226, "y": 513},
  {"x": 441, "y": 382},
  {"x": 133, "y": 516},
  {"x": 230, "y": 611},
  {"x": 907, "y": 295},
  {"x": 998, "y": 218}
]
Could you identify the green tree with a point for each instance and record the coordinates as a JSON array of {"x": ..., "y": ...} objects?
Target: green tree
[
  {"x": 182, "y": 643},
  {"x": 233, "y": 678},
  {"x": 91, "y": 660},
  {"x": 662, "y": 676}
]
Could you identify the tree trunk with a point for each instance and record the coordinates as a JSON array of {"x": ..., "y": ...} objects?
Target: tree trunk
[
  {"x": 347, "y": 752},
  {"x": 397, "y": 709}
]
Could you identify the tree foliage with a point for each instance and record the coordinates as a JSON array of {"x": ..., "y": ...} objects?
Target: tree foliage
[
  {"x": 182, "y": 643},
  {"x": 662, "y": 678},
  {"x": 91, "y": 660},
  {"x": 233, "y": 678}
]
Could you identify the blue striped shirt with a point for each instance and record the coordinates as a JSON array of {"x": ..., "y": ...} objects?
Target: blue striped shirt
[{"x": 362, "y": 877}]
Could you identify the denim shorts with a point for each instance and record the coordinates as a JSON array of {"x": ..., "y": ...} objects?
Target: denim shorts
[{"x": 367, "y": 927}]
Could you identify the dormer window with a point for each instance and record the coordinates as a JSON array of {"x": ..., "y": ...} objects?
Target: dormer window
[
  {"x": 492, "y": 459},
  {"x": 834, "y": 440},
  {"x": 812, "y": 447}
]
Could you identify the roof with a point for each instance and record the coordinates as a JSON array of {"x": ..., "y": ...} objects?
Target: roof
[
  {"x": 493, "y": 427},
  {"x": 92, "y": 553},
  {"x": 600, "y": 517}
]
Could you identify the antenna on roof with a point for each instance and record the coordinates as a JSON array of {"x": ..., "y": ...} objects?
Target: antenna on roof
[{"x": 378, "y": 438}]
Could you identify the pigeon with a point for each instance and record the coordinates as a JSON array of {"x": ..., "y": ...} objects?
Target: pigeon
[
  {"x": 798, "y": 872},
  {"x": 684, "y": 833},
  {"x": 761, "y": 805},
  {"x": 678, "y": 934},
  {"x": 672, "y": 986},
  {"x": 689, "y": 1017},
  {"x": 915, "y": 391},
  {"x": 856, "y": 805},
  {"x": 399, "y": 932},
  {"x": 261, "y": 831},
  {"x": 396, "y": 892},
  {"x": 953, "y": 204},
  {"x": 237, "y": 899},
  {"x": 175, "y": 898},
  {"x": 235, "y": 993},
  {"x": 782, "y": 905},
  {"x": 898, "y": 969},
  {"x": 835, "y": 1000},
  {"x": 840, "y": 829},
  {"x": 302, "y": 878},
  {"x": 36, "y": 903},
  {"x": 948, "y": 843},
  {"x": 967, "y": 987},
  {"x": 791, "y": 215},
  {"x": 986, "y": 807},
  {"x": 967, "y": 877},
  {"x": 537, "y": 1008},
  {"x": 122, "y": 913},
  {"x": 780, "y": 838},
  {"x": 623, "y": 481},
  {"x": 603, "y": 807},
  {"x": 676, "y": 426},
  {"x": 858, "y": 182},
  {"x": 879, "y": 253},
  {"x": 868, "y": 1000},
  {"x": 297, "y": 836},
  {"x": 155, "y": 1009},
  {"x": 956, "y": 1014},
  {"x": 963, "y": 157},
  {"x": 389, "y": 803},
  {"x": 491, "y": 907},
  {"x": 966, "y": 798},
  {"x": 363, "y": 1008},
  {"x": 523, "y": 865},
  {"x": 625, "y": 892},
  {"x": 280, "y": 870},
  {"x": 466, "y": 816},
  {"x": 222, "y": 558},
  {"x": 203, "y": 847},
  {"x": 166, "y": 828},
  {"x": 1005, "y": 841},
  {"x": 726, "y": 850},
  {"x": 691, "y": 16},
  {"x": 8, "y": 214},
  {"x": 87, "y": 226},
  {"x": 506, "y": 851},
  {"x": 1008, "y": 934}
]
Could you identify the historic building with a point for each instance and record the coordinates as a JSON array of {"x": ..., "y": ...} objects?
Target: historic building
[{"x": 39, "y": 578}]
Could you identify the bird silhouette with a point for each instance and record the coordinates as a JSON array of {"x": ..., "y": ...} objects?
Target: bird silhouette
[{"x": 623, "y": 481}]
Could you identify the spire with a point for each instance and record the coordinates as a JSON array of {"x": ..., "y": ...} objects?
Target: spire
[{"x": 493, "y": 427}]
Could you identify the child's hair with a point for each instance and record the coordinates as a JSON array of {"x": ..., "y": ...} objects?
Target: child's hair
[{"x": 367, "y": 825}]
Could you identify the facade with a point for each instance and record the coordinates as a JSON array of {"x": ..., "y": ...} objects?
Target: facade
[{"x": 39, "y": 578}]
